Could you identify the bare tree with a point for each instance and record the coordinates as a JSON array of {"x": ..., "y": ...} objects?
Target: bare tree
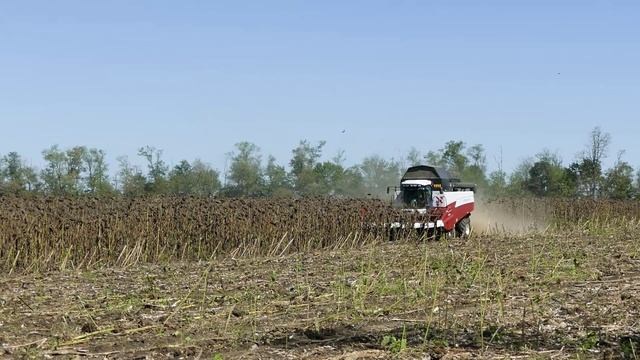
[
  {"x": 598, "y": 145},
  {"x": 593, "y": 155}
]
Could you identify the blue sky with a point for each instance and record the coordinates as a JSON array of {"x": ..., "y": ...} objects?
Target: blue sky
[{"x": 195, "y": 77}]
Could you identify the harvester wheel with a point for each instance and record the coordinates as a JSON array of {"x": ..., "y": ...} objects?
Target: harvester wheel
[
  {"x": 463, "y": 228},
  {"x": 441, "y": 233},
  {"x": 394, "y": 234}
]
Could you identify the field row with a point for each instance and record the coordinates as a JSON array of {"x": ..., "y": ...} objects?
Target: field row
[{"x": 41, "y": 233}]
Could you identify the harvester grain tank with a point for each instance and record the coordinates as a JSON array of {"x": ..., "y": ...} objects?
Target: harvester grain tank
[{"x": 439, "y": 203}]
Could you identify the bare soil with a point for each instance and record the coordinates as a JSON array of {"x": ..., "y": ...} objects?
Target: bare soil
[{"x": 542, "y": 296}]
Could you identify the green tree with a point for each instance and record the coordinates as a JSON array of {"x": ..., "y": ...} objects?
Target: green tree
[
  {"x": 193, "y": 179},
  {"x": 31, "y": 179},
  {"x": 475, "y": 170},
  {"x": 540, "y": 178},
  {"x": 591, "y": 176},
  {"x": 180, "y": 178},
  {"x": 130, "y": 180},
  {"x": 305, "y": 157},
  {"x": 497, "y": 183},
  {"x": 349, "y": 183},
  {"x": 278, "y": 182},
  {"x": 618, "y": 182},
  {"x": 97, "y": 172},
  {"x": 434, "y": 158},
  {"x": 547, "y": 176},
  {"x": 206, "y": 180},
  {"x": 470, "y": 167},
  {"x": 157, "y": 169},
  {"x": 16, "y": 176},
  {"x": 454, "y": 158},
  {"x": 570, "y": 182},
  {"x": 245, "y": 172},
  {"x": 328, "y": 174},
  {"x": 335, "y": 180},
  {"x": 378, "y": 173},
  {"x": 75, "y": 168},
  {"x": 587, "y": 176},
  {"x": 75, "y": 171},
  {"x": 519, "y": 178},
  {"x": 60, "y": 176}
]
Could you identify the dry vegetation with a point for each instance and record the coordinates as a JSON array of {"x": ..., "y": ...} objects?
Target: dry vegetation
[
  {"x": 43, "y": 233},
  {"x": 187, "y": 277}
]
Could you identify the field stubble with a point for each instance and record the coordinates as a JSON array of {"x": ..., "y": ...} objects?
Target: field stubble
[{"x": 569, "y": 290}]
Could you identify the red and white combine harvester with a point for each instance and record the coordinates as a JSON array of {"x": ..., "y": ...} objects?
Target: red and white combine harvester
[{"x": 433, "y": 202}]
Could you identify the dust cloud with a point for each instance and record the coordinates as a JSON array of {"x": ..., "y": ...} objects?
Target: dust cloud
[{"x": 515, "y": 218}]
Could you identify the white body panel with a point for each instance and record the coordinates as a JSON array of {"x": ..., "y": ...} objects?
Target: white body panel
[
  {"x": 416, "y": 182},
  {"x": 442, "y": 200}
]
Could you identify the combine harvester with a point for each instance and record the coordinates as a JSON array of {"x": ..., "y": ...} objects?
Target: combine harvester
[{"x": 436, "y": 203}]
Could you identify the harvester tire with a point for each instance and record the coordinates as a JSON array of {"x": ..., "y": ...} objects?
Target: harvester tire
[
  {"x": 441, "y": 234},
  {"x": 463, "y": 228},
  {"x": 394, "y": 234}
]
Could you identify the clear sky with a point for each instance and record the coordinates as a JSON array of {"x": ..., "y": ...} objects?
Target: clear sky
[{"x": 195, "y": 77}]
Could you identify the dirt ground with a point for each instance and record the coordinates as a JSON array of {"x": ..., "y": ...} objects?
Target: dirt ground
[{"x": 542, "y": 296}]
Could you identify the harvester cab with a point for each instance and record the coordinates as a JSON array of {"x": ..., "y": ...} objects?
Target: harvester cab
[{"x": 440, "y": 204}]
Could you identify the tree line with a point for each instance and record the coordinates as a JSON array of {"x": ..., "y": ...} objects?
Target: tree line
[{"x": 81, "y": 170}]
